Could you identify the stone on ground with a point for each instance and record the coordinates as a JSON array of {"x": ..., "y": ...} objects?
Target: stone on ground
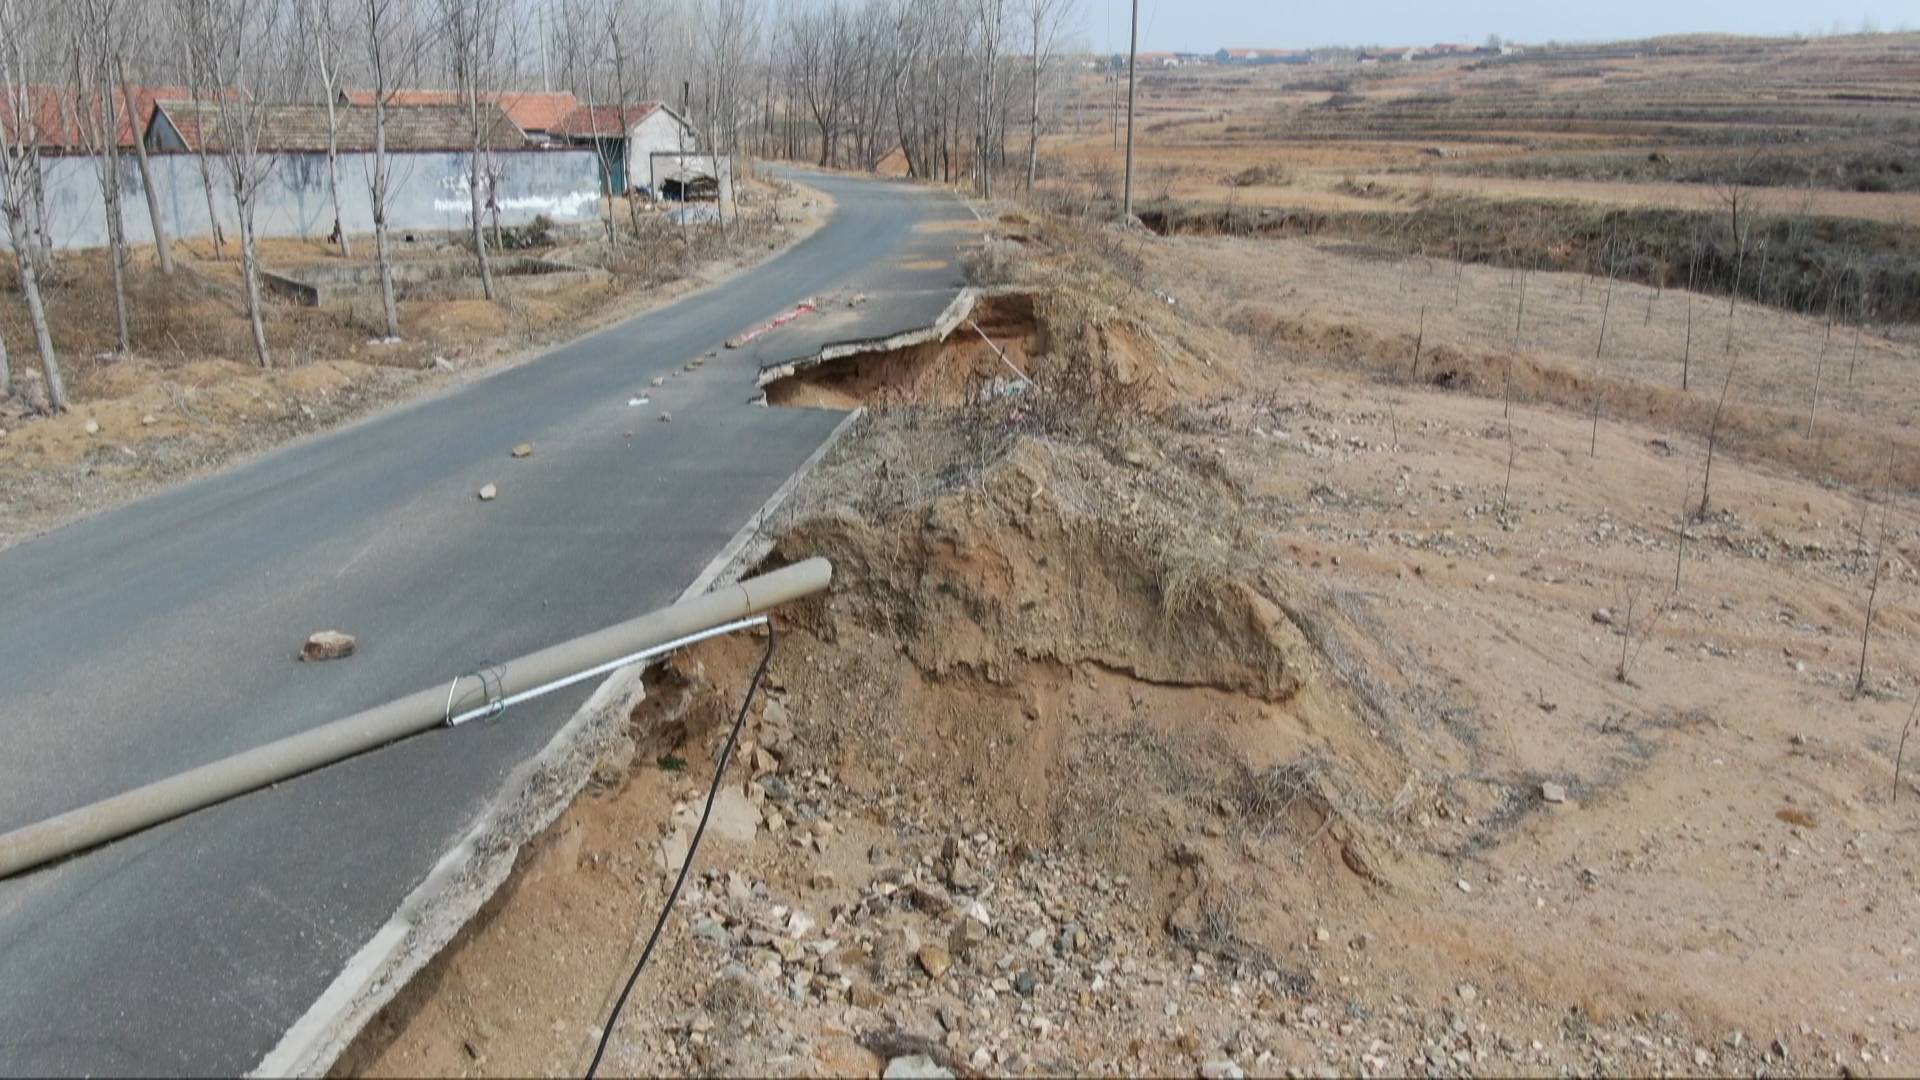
[{"x": 328, "y": 645}]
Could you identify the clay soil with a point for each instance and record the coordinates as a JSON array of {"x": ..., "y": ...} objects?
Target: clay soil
[
  {"x": 1235, "y": 697},
  {"x": 190, "y": 396}
]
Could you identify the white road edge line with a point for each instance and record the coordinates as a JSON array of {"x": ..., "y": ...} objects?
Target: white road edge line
[{"x": 468, "y": 875}]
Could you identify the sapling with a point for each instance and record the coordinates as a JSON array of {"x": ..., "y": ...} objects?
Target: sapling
[
  {"x": 1873, "y": 592},
  {"x": 1593, "y": 443},
  {"x": 1813, "y": 406},
  {"x": 1901, "y": 753},
  {"x": 1713, "y": 437},
  {"x": 1419, "y": 339},
  {"x": 1507, "y": 487}
]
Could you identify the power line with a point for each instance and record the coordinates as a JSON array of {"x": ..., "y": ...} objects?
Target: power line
[{"x": 693, "y": 848}]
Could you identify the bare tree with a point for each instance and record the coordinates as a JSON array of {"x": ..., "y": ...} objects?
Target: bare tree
[
  {"x": 471, "y": 30},
  {"x": 135, "y": 42},
  {"x": 1741, "y": 210},
  {"x": 1693, "y": 271},
  {"x": 394, "y": 40},
  {"x": 1599, "y": 348},
  {"x": 322, "y": 25},
  {"x": 253, "y": 62},
  {"x": 196, "y": 16},
  {"x": 20, "y": 142},
  {"x": 823, "y": 65},
  {"x": 1713, "y": 439},
  {"x": 97, "y": 29},
  {"x": 990, "y": 18},
  {"x": 1047, "y": 21},
  {"x": 1873, "y": 586}
]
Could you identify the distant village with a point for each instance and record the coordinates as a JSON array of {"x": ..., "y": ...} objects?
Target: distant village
[{"x": 1333, "y": 54}]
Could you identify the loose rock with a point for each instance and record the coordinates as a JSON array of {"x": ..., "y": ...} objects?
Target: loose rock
[
  {"x": 328, "y": 645},
  {"x": 935, "y": 960},
  {"x": 916, "y": 1067}
]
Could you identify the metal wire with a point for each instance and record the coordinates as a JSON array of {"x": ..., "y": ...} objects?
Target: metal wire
[
  {"x": 495, "y": 705},
  {"x": 693, "y": 848}
]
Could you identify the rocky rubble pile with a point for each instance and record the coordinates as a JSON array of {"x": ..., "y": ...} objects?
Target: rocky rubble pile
[{"x": 933, "y": 946}]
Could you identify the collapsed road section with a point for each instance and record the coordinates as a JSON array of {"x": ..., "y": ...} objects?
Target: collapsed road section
[{"x": 977, "y": 345}]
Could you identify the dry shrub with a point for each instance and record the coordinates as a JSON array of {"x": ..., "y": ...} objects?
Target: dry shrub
[{"x": 995, "y": 262}]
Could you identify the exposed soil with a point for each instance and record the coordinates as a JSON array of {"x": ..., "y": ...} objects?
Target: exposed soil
[{"x": 1262, "y": 710}]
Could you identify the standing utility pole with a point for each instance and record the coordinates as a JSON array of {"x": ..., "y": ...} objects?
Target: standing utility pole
[{"x": 1133, "y": 54}]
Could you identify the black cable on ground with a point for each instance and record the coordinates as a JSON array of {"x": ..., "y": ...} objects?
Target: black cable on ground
[{"x": 713, "y": 791}]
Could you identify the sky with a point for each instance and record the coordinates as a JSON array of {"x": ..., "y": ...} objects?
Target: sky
[{"x": 1206, "y": 25}]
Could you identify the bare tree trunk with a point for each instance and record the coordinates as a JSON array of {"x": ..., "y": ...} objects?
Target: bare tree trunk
[
  {"x": 109, "y": 132},
  {"x": 382, "y": 250},
  {"x": 37, "y": 316},
  {"x": 476, "y": 177},
  {"x": 206, "y": 175},
  {"x": 213, "y": 214},
  {"x": 1033, "y": 120},
  {"x": 250, "y": 272},
  {"x": 1713, "y": 438},
  {"x": 42, "y": 228},
  {"x": 333, "y": 178},
  {"x": 1686, "y": 356},
  {"x": 1873, "y": 590},
  {"x": 160, "y": 245}
]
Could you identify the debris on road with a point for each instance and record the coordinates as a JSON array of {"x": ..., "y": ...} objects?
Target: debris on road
[
  {"x": 328, "y": 645},
  {"x": 771, "y": 325},
  {"x": 488, "y": 493},
  {"x": 523, "y": 450}
]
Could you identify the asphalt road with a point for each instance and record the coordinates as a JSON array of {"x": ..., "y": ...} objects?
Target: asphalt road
[{"x": 162, "y": 635}]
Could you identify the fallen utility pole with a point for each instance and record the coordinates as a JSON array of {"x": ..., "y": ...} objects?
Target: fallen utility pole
[{"x": 469, "y": 697}]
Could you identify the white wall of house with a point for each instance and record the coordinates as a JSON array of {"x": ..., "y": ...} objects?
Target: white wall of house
[
  {"x": 660, "y": 133},
  {"x": 429, "y": 191}
]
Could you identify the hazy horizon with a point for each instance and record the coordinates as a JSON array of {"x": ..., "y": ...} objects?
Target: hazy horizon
[{"x": 1207, "y": 25}]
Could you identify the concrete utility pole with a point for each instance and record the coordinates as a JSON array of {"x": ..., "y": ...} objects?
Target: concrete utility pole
[{"x": 1133, "y": 54}]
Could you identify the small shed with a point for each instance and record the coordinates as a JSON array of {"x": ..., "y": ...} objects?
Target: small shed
[
  {"x": 683, "y": 177},
  {"x": 627, "y": 140}
]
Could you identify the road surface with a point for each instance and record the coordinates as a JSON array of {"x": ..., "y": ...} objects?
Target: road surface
[{"x": 162, "y": 635}]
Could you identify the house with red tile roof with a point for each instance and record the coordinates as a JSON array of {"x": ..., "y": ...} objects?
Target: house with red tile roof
[
  {"x": 295, "y": 129},
  {"x": 59, "y": 120},
  {"x": 539, "y": 113}
]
